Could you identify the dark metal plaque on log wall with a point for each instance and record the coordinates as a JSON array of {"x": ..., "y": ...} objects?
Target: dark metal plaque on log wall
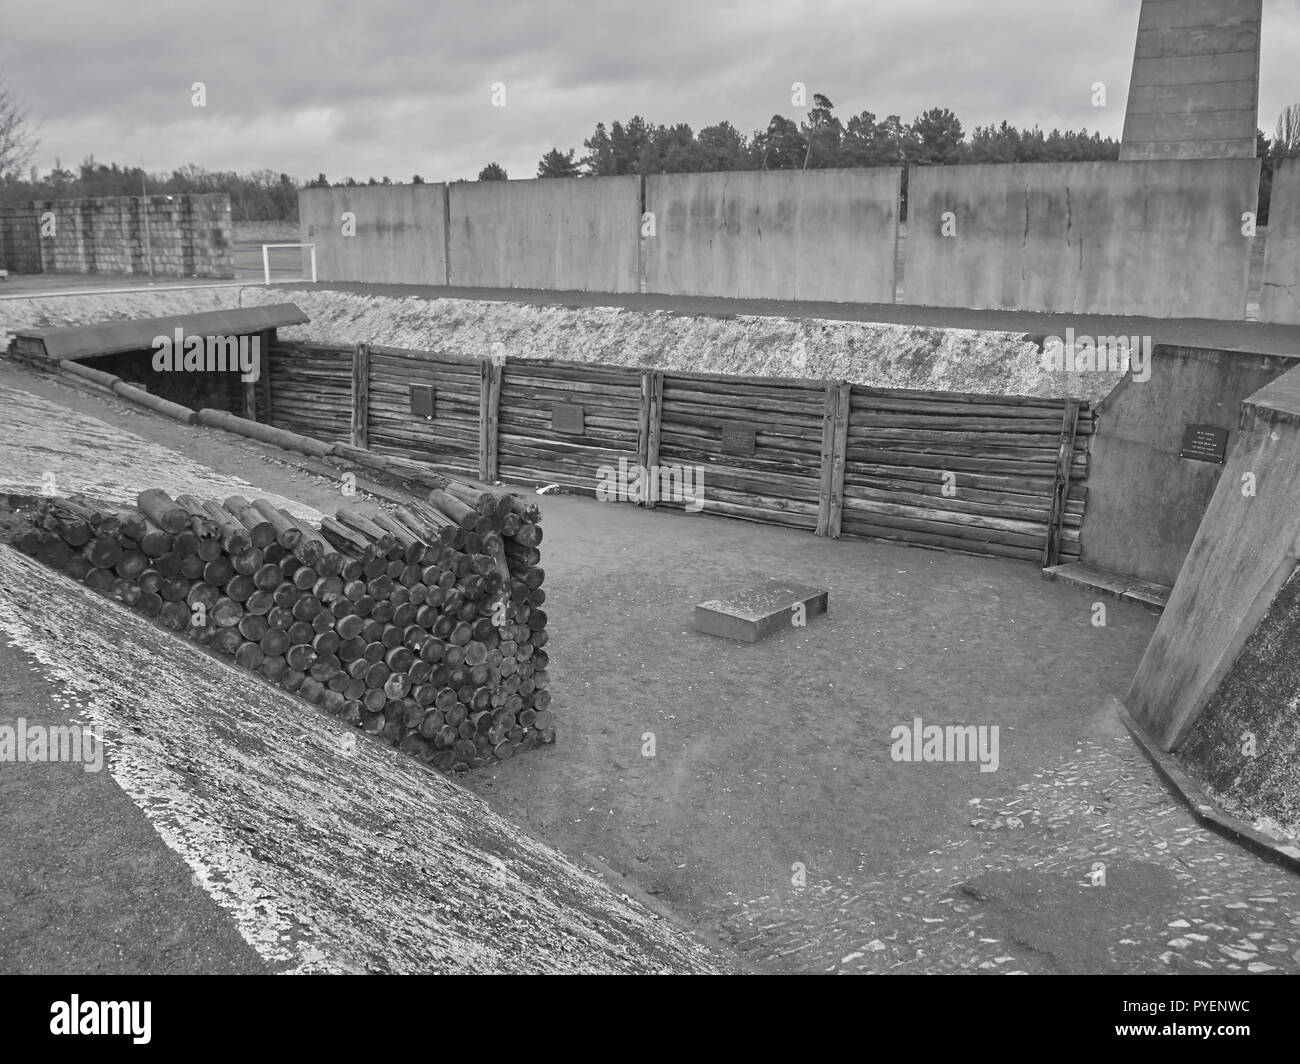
[
  {"x": 568, "y": 419},
  {"x": 422, "y": 401},
  {"x": 738, "y": 439}
]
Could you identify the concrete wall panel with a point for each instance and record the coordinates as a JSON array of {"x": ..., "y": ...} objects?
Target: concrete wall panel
[
  {"x": 784, "y": 234},
  {"x": 1280, "y": 296},
  {"x": 563, "y": 234},
  {"x": 400, "y": 233},
  {"x": 1237, "y": 66},
  {"x": 1145, "y": 503},
  {"x": 1244, "y": 551},
  {"x": 1160, "y": 239}
]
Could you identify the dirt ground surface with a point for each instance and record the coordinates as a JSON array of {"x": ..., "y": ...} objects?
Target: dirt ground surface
[{"x": 752, "y": 790}]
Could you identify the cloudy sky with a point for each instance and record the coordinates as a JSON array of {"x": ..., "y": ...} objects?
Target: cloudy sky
[{"x": 385, "y": 88}]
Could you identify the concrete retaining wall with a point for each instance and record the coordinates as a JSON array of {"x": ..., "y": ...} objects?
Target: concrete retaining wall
[
  {"x": 1243, "y": 553},
  {"x": 1256, "y": 698},
  {"x": 176, "y": 236},
  {"x": 1194, "y": 93},
  {"x": 1280, "y": 292},
  {"x": 1161, "y": 239},
  {"x": 562, "y": 234},
  {"x": 821, "y": 234},
  {"x": 1145, "y": 503},
  {"x": 20, "y": 240},
  {"x": 400, "y": 235}
]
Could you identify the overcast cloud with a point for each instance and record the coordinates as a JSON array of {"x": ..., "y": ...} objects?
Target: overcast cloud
[{"x": 376, "y": 87}]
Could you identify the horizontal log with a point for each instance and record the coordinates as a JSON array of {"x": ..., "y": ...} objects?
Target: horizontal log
[
  {"x": 930, "y": 539},
  {"x": 265, "y": 433},
  {"x": 88, "y": 373},
  {"x": 175, "y": 411}
]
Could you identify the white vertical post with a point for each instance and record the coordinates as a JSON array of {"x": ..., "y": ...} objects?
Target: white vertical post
[{"x": 266, "y": 264}]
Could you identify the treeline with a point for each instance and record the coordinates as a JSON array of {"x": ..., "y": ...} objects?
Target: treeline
[
  {"x": 820, "y": 141},
  {"x": 261, "y": 196}
]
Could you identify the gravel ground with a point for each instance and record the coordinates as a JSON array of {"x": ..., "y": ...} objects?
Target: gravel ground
[{"x": 771, "y": 763}]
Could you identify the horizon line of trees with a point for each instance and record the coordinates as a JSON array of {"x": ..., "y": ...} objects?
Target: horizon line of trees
[{"x": 821, "y": 141}]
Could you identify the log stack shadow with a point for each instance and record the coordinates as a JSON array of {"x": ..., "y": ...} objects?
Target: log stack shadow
[{"x": 421, "y": 626}]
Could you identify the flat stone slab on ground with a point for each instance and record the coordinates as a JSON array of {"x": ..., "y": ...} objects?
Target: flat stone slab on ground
[
  {"x": 1128, "y": 588},
  {"x": 757, "y": 612}
]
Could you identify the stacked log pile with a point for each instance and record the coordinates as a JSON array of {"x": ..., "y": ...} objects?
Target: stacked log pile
[
  {"x": 1000, "y": 456},
  {"x": 422, "y": 626}
]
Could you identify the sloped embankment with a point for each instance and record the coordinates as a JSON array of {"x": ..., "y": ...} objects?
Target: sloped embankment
[{"x": 882, "y": 356}]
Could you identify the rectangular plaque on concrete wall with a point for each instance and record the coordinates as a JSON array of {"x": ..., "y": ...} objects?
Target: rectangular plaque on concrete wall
[
  {"x": 1204, "y": 443},
  {"x": 568, "y": 419},
  {"x": 738, "y": 439},
  {"x": 422, "y": 401}
]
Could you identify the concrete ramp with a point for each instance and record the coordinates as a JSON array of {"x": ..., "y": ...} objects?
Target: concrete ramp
[
  {"x": 1219, "y": 675},
  {"x": 1245, "y": 746}
]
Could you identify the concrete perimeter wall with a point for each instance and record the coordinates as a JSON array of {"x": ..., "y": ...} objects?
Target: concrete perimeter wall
[
  {"x": 563, "y": 234},
  {"x": 1243, "y": 554},
  {"x": 1280, "y": 293},
  {"x": 400, "y": 235},
  {"x": 1161, "y": 239},
  {"x": 1194, "y": 93},
  {"x": 1145, "y": 503},
  {"x": 785, "y": 234},
  {"x": 170, "y": 236}
]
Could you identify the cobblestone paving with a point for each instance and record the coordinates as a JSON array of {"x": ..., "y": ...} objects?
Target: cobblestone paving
[{"x": 1092, "y": 867}]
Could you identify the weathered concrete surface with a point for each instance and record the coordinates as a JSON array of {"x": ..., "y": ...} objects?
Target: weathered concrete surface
[
  {"x": 755, "y": 612},
  {"x": 1194, "y": 93},
  {"x": 1150, "y": 238},
  {"x": 782, "y": 234},
  {"x": 560, "y": 233},
  {"x": 400, "y": 233},
  {"x": 1244, "y": 551},
  {"x": 1280, "y": 292},
  {"x": 1145, "y": 503},
  {"x": 330, "y": 852},
  {"x": 1245, "y": 746}
]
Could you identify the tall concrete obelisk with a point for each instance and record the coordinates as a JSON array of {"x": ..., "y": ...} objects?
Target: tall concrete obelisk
[{"x": 1194, "y": 93}]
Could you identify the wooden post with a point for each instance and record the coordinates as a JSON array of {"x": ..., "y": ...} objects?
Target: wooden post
[
  {"x": 649, "y": 423},
  {"x": 1061, "y": 485},
  {"x": 360, "y": 394},
  {"x": 835, "y": 438},
  {"x": 250, "y": 392},
  {"x": 489, "y": 407},
  {"x": 264, "y": 379}
]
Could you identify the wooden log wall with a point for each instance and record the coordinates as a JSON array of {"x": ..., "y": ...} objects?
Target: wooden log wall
[
  {"x": 780, "y": 483},
  {"x": 993, "y": 475},
  {"x": 1001, "y": 456},
  {"x": 451, "y": 440},
  {"x": 529, "y": 446},
  {"x": 310, "y": 389}
]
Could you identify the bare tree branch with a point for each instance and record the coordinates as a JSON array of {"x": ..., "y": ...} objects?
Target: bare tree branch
[
  {"x": 18, "y": 140},
  {"x": 1287, "y": 142}
]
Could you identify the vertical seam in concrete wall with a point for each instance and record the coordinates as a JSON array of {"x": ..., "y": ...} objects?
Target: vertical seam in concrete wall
[{"x": 446, "y": 233}]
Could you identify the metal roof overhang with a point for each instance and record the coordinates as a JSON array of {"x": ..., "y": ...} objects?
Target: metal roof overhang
[{"x": 110, "y": 338}]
